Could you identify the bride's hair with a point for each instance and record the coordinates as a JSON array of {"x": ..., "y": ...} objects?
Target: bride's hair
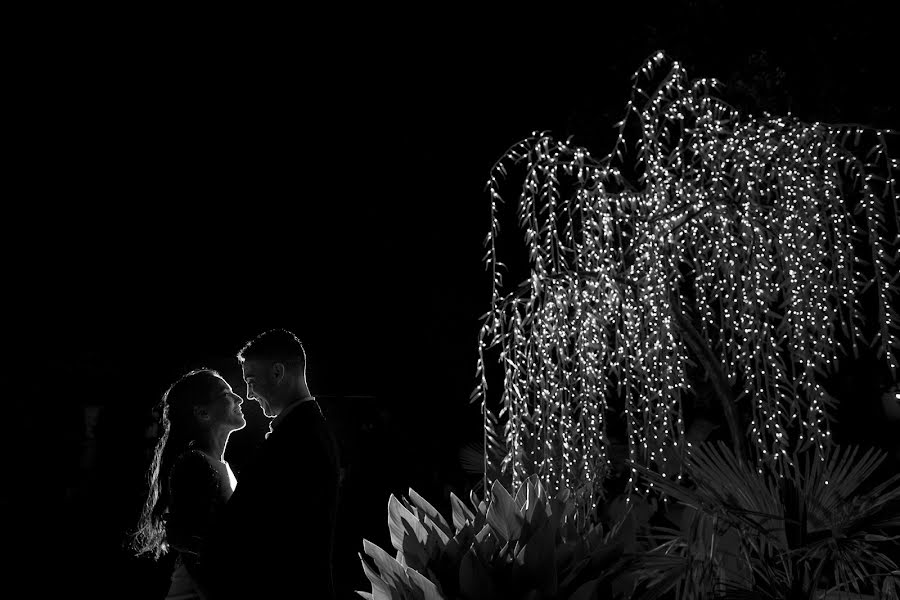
[{"x": 177, "y": 432}]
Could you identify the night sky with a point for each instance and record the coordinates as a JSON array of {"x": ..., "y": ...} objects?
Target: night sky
[{"x": 189, "y": 191}]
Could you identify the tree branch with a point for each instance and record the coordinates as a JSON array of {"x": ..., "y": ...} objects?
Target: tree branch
[{"x": 717, "y": 377}]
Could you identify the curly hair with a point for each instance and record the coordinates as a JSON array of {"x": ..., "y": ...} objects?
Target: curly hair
[{"x": 178, "y": 431}]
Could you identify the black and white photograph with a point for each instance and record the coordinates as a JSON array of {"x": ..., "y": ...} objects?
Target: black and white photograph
[{"x": 556, "y": 303}]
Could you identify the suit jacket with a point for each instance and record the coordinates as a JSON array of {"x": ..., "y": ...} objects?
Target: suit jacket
[{"x": 276, "y": 535}]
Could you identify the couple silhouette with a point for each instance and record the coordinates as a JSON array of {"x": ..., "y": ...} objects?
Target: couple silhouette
[{"x": 269, "y": 535}]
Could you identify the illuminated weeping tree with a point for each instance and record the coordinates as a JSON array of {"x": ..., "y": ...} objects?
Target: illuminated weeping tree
[{"x": 744, "y": 247}]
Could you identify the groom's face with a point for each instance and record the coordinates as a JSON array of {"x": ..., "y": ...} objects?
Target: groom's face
[{"x": 260, "y": 384}]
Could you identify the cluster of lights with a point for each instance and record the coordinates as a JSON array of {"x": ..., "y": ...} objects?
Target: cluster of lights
[{"x": 750, "y": 215}]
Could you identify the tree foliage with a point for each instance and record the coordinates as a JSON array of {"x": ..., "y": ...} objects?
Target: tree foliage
[{"x": 744, "y": 244}]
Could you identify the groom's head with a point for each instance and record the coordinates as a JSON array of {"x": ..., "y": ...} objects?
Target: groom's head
[{"x": 274, "y": 368}]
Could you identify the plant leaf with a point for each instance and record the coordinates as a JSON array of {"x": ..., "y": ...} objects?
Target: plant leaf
[
  {"x": 431, "y": 511},
  {"x": 426, "y": 588},
  {"x": 536, "y": 563},
  {"x": 503, "y": 515},
  {"x": 474, "y": 580},
  {"x": 389, "y": 570},
  {"x": 586, "y": 591},
  {"x": 397, "y": 516},
  {"x": 380, "y": 589},
  {"x": 461, "y": 514}
]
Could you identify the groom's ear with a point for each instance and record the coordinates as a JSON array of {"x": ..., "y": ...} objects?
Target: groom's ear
[{"x": 278, "y": 372}]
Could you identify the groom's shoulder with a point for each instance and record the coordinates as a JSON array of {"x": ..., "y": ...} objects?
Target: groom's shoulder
[
  {"x": 303, "y": 427},
  {"x": 307, "y": 415}
]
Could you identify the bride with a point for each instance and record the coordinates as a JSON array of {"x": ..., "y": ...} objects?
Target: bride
[{"x": 189, "y": 482}]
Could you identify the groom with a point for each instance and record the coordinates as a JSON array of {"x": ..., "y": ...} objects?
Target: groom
[{"x": 277, "y": 531}]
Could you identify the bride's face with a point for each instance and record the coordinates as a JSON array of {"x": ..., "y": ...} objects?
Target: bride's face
[{"x": 225, "y": 407}]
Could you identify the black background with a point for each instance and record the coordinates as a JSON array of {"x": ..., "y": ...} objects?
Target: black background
[{"x": 187, "y": 185}]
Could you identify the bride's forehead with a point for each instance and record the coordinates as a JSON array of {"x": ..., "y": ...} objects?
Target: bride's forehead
[{"x": 223, "y": 385}]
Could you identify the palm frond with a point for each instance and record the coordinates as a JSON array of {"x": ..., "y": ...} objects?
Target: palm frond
[
  {"x": 471, "y": 458},
  {"x": 788, "y": 522}
]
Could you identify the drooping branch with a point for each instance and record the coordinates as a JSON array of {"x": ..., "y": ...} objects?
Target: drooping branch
[
  {"x": 760, "y": 218},
  {"x": 713, "y": 370}
]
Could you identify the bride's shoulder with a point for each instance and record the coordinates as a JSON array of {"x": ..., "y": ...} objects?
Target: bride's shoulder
[
  {"x": 193, "y": 462},
  {"x": 192, "y": 475}
]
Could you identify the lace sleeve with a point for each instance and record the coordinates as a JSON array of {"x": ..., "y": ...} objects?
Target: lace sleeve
[{"x": 194, "y": 499}]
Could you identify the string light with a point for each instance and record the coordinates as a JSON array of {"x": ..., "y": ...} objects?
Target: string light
[{"x": 742, "y": 220}]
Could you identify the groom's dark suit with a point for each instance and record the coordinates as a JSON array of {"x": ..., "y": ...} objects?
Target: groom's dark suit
[{"x": 277, "y": 532}]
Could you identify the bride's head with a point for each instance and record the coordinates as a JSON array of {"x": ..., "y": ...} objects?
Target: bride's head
[{"x": 198, "y": 406}]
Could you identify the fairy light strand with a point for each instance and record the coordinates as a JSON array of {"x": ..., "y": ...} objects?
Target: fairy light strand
[{"x": 750, "y": 222}]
